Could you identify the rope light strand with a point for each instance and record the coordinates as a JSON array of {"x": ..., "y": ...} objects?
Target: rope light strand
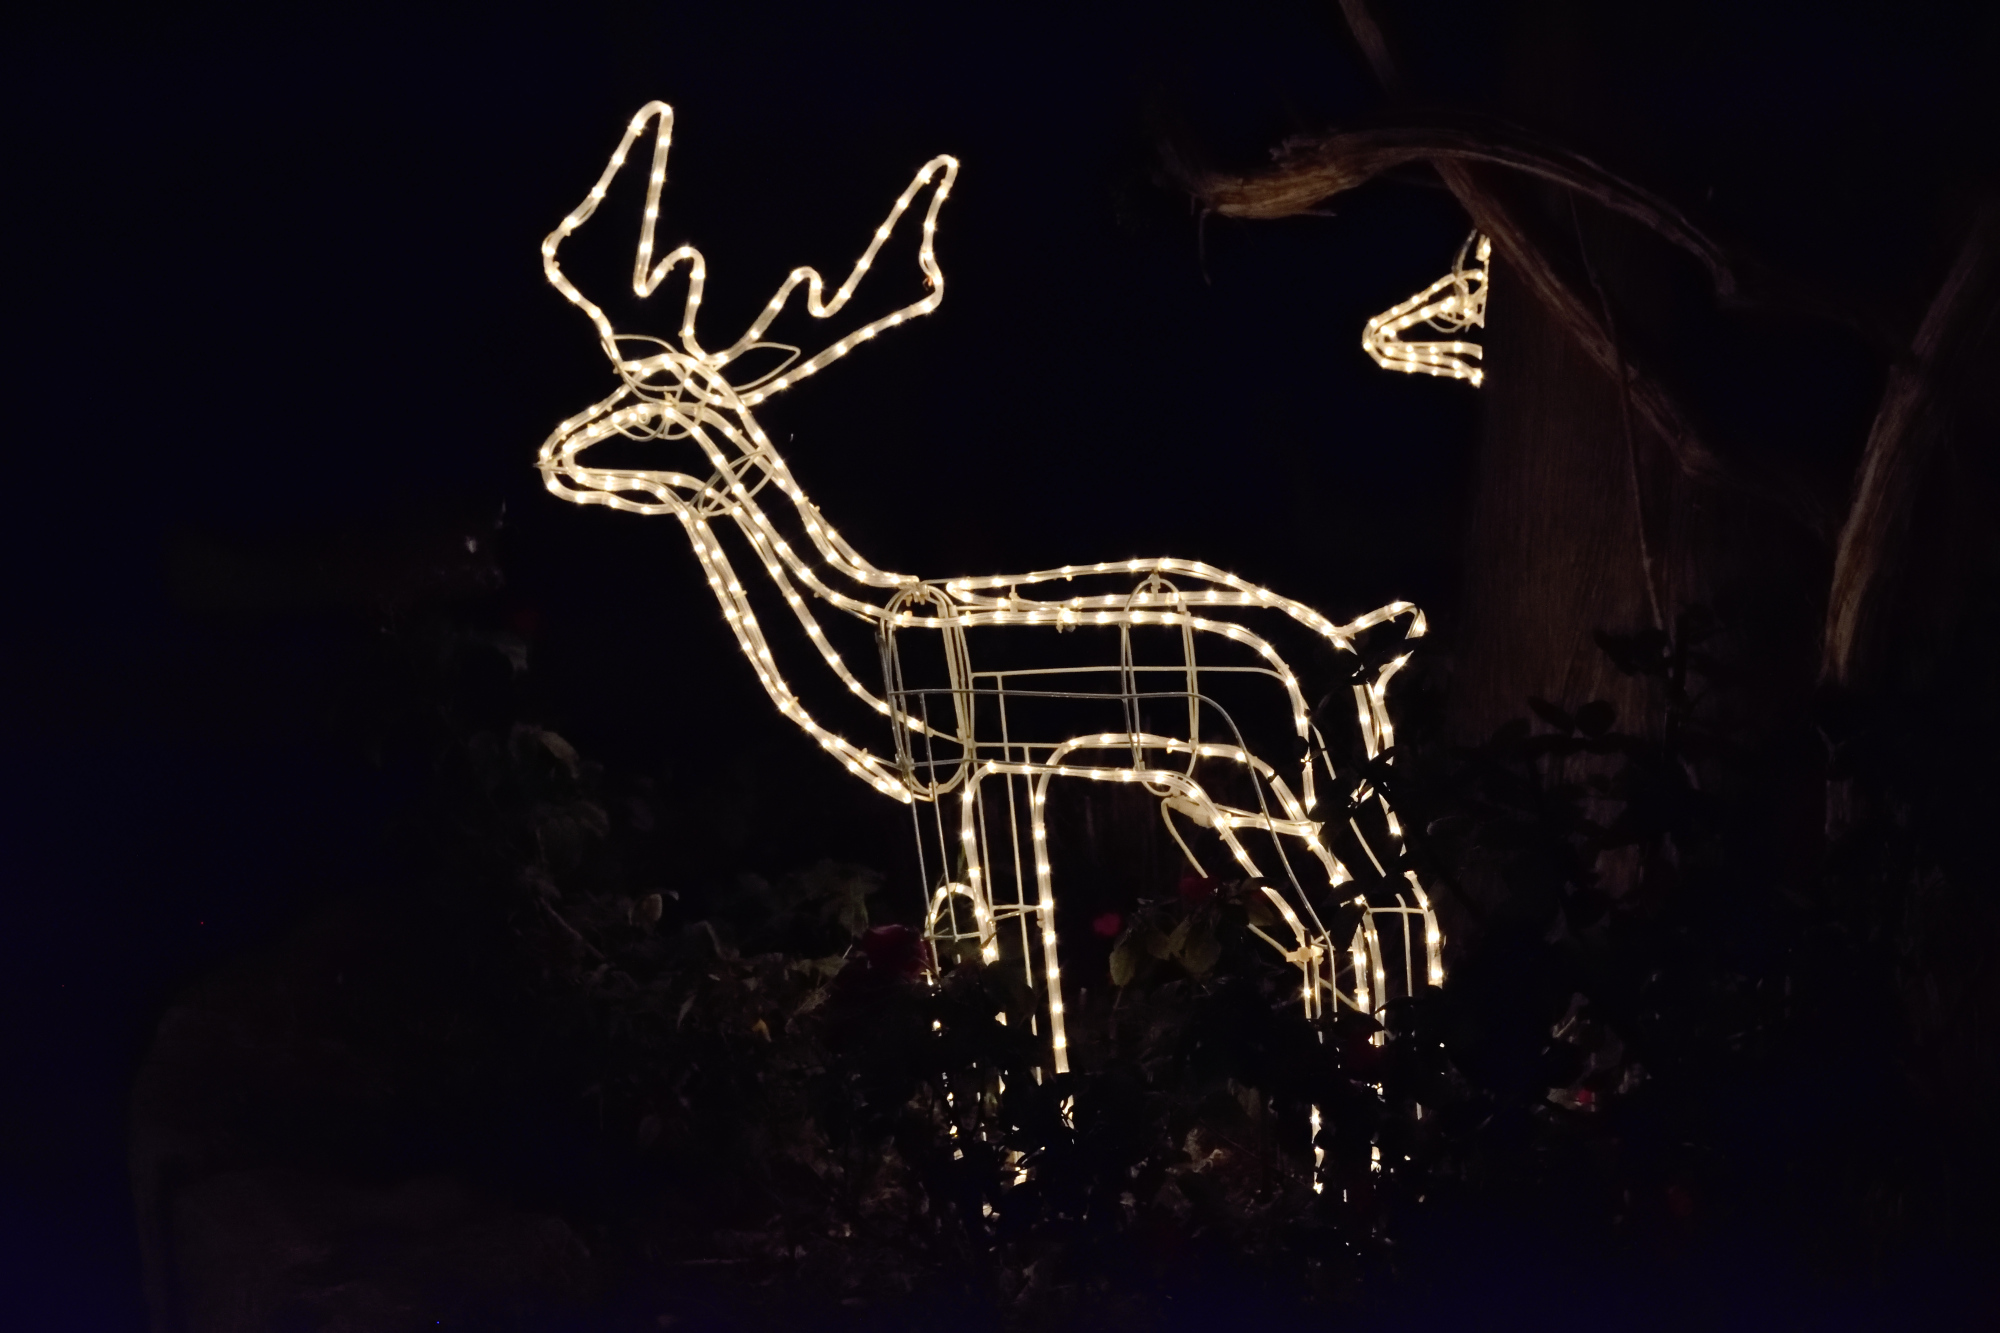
[
  {"x": 978, "y": 749},
  {"x": 1452, "y": 304}
]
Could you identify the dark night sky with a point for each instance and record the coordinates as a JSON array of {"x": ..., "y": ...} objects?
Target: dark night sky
[{"x": 279, "y": 277}]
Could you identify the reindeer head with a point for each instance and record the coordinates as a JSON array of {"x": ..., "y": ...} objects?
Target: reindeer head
[{"x": 686, "y": 392}]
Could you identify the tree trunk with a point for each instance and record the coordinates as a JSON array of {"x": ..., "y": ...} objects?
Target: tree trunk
[{"x": 1552, "y": 551}]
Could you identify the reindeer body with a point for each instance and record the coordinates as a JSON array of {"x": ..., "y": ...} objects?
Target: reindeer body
[{"x": 994, "y": 687}]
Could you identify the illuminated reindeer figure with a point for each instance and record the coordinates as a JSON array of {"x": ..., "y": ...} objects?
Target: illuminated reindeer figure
[{"x": 979, "y": 745}]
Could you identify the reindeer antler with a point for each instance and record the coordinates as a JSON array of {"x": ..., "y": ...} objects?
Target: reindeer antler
[{"x": 647, "y": 275}]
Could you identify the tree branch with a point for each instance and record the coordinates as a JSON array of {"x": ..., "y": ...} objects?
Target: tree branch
[
  {"x": 1311, "y": 169},
  {"x": 569, "y": 932},
  {"x": 1374, "y": 45},
  {"x": 1309, "y": 172},
  {"x": 1900, "y": 444}
]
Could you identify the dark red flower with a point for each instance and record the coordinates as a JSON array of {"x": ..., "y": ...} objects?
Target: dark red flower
[
  {"x": 893, "y": 951},
  {"x": 1196, "y": 889},
  {"x": 1108, "y": 925},
  {"x": 882, "y": 959}
]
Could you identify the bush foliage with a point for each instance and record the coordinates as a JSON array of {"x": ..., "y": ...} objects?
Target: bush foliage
[{"x": 1665, "y": 1036}]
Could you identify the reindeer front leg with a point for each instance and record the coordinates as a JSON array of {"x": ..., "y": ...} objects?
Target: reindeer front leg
[
  {"x": 983, "y": 880},
  {"x": 1045, "y": 907}
]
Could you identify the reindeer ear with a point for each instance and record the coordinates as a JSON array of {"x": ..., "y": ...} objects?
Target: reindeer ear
[
  {"x": 646, "y": 275},
  {"x": 933, "y": 180}
]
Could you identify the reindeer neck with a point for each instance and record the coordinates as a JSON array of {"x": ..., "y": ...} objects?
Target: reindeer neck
[
  {"x": 736, "y": 495},
  {"x": 763, "y": 532}
]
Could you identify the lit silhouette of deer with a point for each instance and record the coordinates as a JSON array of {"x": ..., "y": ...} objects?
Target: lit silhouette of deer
[{"x": 1139, "y": 680}]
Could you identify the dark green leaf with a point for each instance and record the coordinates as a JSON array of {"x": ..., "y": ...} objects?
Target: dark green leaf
[
  {"x": 1200, "y": 950},
  {"x": 1125, "y": 960},
  {"x": 1595, "y": 718},
  {"x": 1552, "y": 715}
]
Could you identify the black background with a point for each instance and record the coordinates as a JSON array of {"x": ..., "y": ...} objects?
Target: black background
[{"x": 275, "y": 278}]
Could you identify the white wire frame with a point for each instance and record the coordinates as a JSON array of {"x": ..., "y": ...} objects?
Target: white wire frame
[{"x": 956, "y": 745}]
